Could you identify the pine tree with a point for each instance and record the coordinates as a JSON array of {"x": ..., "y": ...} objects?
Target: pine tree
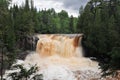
[
  {"x": 71, "y": 24},
  {"x": 99, "y": 22}
]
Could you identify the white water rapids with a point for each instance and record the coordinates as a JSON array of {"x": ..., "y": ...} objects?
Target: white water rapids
[{"x": 60, "y": 57}]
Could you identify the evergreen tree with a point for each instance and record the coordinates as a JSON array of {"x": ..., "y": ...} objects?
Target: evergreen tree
[
  {"x": 63, "y": 15},
  {"x": 71, "y": 24},
  {"x": 99, "y": 23},
  {"x": 7, "y": 35}
]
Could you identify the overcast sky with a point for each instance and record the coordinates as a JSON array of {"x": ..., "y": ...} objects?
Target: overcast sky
[{"x": 71, "y": 6}]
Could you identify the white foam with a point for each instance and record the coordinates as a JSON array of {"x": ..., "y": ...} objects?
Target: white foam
[{"x": 59, "y": 59}]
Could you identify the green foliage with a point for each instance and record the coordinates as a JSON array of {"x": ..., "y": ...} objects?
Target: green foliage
[
  {"x": 7, "y": 37},
  {"x": 17, "y": 22},
  {"x": 48, "y": 21},
  {"x": 71, "y": 24},
  {"x": 99, "y": 23},
  {"x": 113, "y": 65},
  {"x": 24, "y": 73}
]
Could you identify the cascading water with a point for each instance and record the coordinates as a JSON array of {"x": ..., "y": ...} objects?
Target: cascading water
[
  {"x": 60, "y": 57},
  {"x": 62, "y": 50}
]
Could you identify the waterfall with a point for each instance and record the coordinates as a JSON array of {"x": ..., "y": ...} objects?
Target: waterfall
[
  {"x": 61, "y": 49},
  {"x": 60, "y": 57}
]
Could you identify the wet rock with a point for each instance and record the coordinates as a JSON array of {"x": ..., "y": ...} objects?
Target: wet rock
[
  {"x": 23, "y": 55},
  {"x": 87, "y": 74},
  {"x": 30, "y": 42},
  {"x": 27, "y": 43}
]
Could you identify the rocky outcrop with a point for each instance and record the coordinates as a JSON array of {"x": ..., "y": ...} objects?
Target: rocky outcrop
[
  {"x": 25, "y": 46},
  {"x": 30, "y": 42},
  {"x": 27, "y": 43},
  {"x": 22, "y": 55}
]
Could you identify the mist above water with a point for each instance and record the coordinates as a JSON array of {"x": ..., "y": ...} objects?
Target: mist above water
[{"x": 60, "y": 57}]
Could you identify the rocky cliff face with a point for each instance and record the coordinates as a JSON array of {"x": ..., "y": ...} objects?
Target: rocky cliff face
[{"x": 28, "y": 43}]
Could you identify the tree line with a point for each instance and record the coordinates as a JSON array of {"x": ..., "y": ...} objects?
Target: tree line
[
  {"x": 18, "y": 22},
  {"x": 98, "y": 21}
]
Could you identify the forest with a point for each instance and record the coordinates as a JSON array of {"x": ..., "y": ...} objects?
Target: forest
[{"x": 98, "y": 21}]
